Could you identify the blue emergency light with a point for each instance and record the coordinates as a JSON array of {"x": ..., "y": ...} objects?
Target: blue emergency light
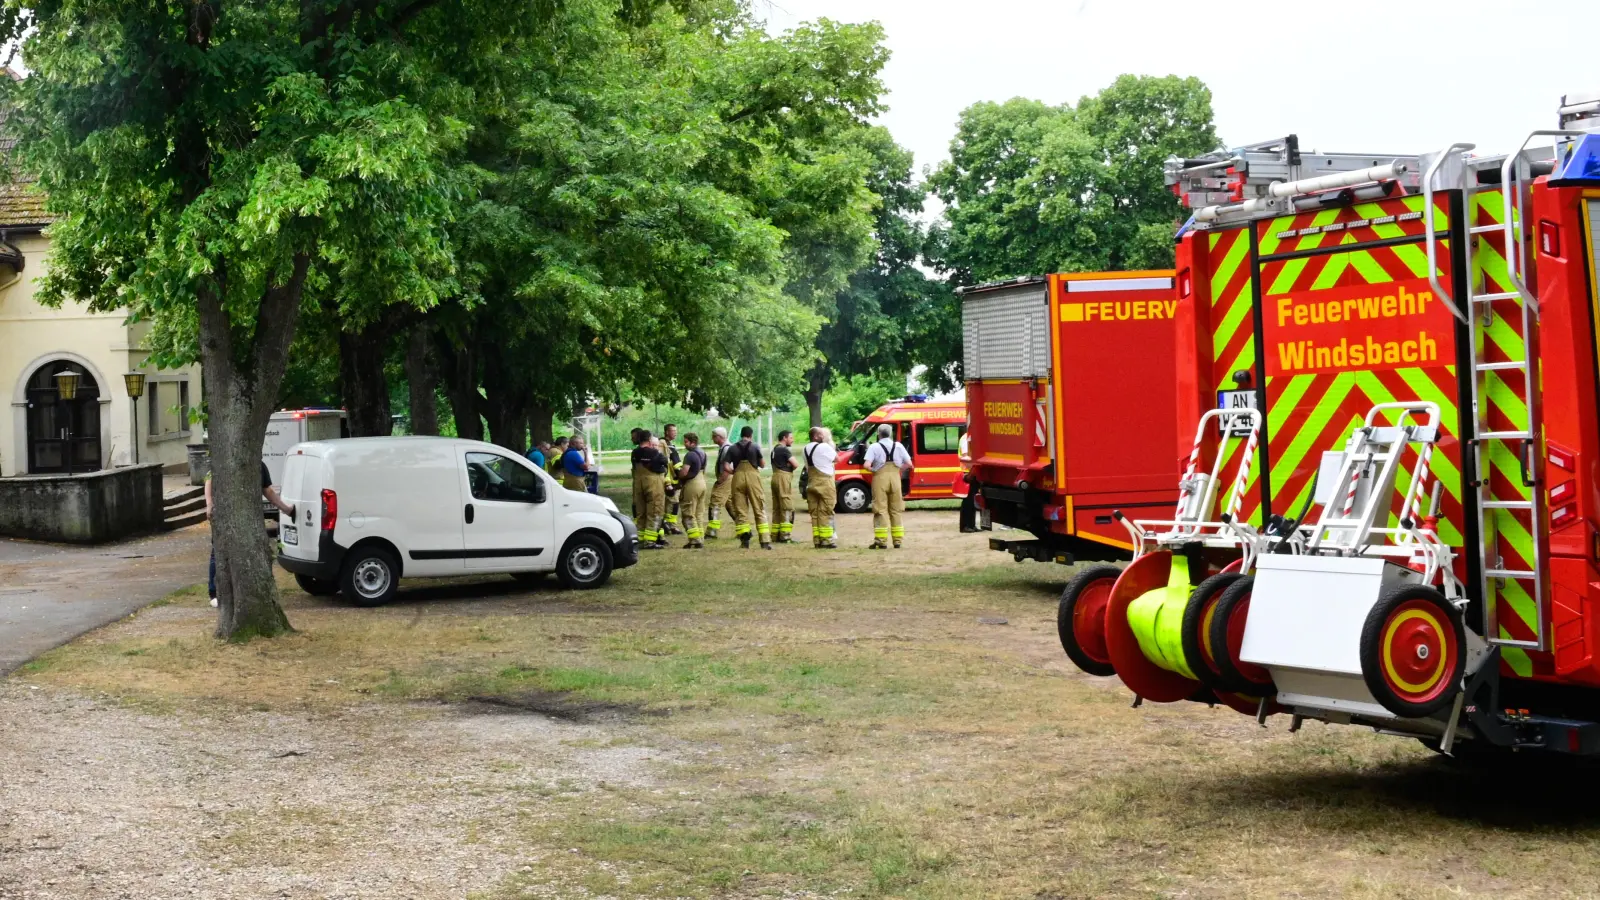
[{"x": 1582, "y": 165}]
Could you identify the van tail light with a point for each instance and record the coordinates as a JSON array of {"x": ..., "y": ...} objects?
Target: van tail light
[{"x": 330, "y": 509}]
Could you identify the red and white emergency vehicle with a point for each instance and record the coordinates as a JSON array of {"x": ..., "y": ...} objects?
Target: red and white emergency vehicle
[
  {"x": 1069, "y": 392},
  {"x": 931, "y": 432},
  {"x": 1390, "y": 510}
]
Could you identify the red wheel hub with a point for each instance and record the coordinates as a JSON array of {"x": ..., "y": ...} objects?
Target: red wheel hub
[
  {"x": 1418, "y": 651},
  {"x": 1089, "y": 619}
]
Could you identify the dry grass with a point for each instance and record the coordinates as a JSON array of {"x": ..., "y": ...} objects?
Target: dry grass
[{"x": 843, "y": 723}]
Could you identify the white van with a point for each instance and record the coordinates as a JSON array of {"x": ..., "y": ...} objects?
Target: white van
[{"x": 370, "y": 511}]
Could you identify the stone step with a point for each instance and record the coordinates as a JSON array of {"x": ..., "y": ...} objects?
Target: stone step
[
  {"x": 185, "y": 507},
  {"x": 184, "y": 495},
  {"x": 184, "y": 521}
]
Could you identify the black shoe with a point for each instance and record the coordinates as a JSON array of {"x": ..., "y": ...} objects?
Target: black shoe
[
  {"x": 744, "y": 541},
  {"x": 766, "y": 546},
  {"x": 650, "y": 546}
]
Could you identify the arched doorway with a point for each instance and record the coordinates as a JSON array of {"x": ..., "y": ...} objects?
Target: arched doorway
[{"x": 63, "y": 435}]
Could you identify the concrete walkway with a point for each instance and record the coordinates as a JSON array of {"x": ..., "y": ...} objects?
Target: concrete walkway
[{"x": 50, "y": 593}]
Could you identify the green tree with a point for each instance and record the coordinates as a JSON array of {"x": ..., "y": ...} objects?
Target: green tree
[
  {"x": 880, "y": 320},
  {"x": 216, "y": 167},
  {"x": 660, "y": 210},
  {"x": 1031, "y": 188}
]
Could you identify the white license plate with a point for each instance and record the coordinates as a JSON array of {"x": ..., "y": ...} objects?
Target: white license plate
[
  {"x": 291, "y": 534},
  {"x": 1236, "y": 400}
]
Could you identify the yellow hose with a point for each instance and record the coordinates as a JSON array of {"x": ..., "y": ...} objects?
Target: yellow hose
[{"x": 1156, "y": 618}]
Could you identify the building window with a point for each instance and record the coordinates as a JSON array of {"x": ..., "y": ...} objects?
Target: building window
[{"x": 169, "y": 408}]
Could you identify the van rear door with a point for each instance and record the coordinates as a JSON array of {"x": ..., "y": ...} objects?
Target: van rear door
[{"x": 302, "y": 487}]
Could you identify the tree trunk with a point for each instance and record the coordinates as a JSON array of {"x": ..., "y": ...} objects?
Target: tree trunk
[
  {"x": 423, "y": 380},
  {"x": 816, "y": 385},
  {"x": 362, "y": 356},
  {"x": 241, "y": 389},
  {"x": 508, "y": 423},
  {"x": 541, "y": 423},
  {"x": 461, "y": 389}
]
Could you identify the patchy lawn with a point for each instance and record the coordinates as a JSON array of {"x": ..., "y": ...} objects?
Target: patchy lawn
[{"x": 722, "y": 724}]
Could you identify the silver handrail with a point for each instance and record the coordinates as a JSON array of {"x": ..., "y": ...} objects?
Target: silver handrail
[
  {"x": 1431, "y": 239},
  {"x": 1513, "y": 222}
]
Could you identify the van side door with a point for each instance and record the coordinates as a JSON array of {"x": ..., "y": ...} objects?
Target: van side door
[
  {"x": 507, "y": 517},
  {"x": 938, "y": 449}
]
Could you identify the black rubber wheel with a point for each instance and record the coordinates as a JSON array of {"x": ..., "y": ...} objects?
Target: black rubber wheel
[
  {"x": 1194, "y": 633},
  {"x": 316, "y": 587},
  {"x": 855, "y": 497},
  {"x": 585, "y": 563},
  {"x": 1227, "y": 630},
  {"x": 1092, "y": 585},
  {"x": 1413, "y": 651},
  {"x": 371, "y": 576}
]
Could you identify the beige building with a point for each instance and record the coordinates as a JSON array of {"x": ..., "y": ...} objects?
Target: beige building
[{"x": 101, "y": 427}]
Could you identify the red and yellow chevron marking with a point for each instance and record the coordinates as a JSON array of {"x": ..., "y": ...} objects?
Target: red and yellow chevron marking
[
  {"x": 1309, "y": 413},
  {"x": 1508, "y": 533}
]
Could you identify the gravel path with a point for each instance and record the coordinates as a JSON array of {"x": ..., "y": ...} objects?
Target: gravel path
[{"x": 104, "y": 801}]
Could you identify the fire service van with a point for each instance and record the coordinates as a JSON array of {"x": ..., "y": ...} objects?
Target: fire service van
[
  {"x": 1069, "y": 394},
  {"x": 930, "y": 431},
  {"x": 1389, "y": 514}
]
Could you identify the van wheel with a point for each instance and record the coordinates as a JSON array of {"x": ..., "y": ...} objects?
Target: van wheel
[
  {"x": 371, "y": 577},
  {"x": 585, "y": 563},
  {"x": 317, "y": 587},
  {"x": 854, "y": 497}
]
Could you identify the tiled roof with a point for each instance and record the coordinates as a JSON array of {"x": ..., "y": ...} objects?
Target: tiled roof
[{"x": 22, "y": 204}]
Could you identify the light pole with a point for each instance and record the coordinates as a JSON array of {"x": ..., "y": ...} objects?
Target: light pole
[
  {"x": 67, "y": 389},
  {"x": 134, "y": 382}
]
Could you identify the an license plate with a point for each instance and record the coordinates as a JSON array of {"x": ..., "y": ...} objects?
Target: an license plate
[
  {"x": 291, "y": 534},
  {"x": 1236, "y": 400}
]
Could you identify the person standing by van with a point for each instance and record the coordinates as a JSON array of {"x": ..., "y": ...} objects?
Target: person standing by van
[
  {"x": 743, "y": 464},
  {"x": 639, "y": 437},
  {"x": 669, "y": 446},
  {"x": 821, "y": 494},
  {"x": 573, "y": 466},
  {"x": 783, "y": 467},
  {"x": 557, "y": 450},
  {"x": 539, "y": 455},
  {"x": 887, "y": 459},
  {"x": 692, "y": 491},
  {"x": 267, "y": 491},
  {"x": 722, "y": 488}
]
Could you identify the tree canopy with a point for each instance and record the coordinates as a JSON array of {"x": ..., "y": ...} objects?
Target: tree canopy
[{"x": 1032, "y": 188}]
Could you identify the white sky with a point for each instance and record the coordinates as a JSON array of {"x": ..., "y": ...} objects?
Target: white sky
[{"x": 1400, "y": 77}]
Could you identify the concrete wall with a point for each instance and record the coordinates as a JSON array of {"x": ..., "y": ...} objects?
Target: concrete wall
[
  {"x": 82, "y": 509},
  {"x": 103, "y": 343}
]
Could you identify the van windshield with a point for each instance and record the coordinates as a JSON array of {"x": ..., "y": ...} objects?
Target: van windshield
[{"x": 862, "y": 433}]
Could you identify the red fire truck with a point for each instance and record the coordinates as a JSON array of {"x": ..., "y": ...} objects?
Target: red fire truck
[
  {"x": 1407, "y": 350},
  {"x": 1060, "y": 371}
]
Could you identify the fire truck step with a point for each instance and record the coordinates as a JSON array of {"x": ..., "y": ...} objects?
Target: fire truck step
[
  {"x": 1505, "y": 436},
  {"x": 1509, "y": 573},
  {"x": 1508, "y": 504},
  {"x": 1518, "y": 364},
  {"x": 1490, "y": 298},
  {"x": 1486, "y": 229}
]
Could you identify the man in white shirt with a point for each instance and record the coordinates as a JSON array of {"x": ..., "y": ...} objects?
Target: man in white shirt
[
  {"x": 887, "y": 459},
  {"x": 821, "y": 496},
  {"x": 969, "y": 502}
]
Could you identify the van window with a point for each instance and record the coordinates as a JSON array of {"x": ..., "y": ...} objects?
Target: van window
[
  {"x": 495, "y": 477},
  {"x": 940, "y": 438}
]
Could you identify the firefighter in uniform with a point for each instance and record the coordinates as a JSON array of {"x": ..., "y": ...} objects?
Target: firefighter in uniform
[
  {"x": 574, "y": 467},
  {"x": 783, "y": 467},
  {"x": 887, "y": 459},
  {"x": 692, "y": 492},
  {"x": 637, "y": 437},
  {"x": 722, "y": 489},
  {"x": 669, "y": 446},
  {"x": 821, "y": 495},
  {"x": 649, "y": 484},
  {"x": 743, "y": 464}
]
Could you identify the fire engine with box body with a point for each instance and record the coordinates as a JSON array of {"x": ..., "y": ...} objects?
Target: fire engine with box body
[
  {"x": 1060, "y": 371},
  {"x": 1388, "y": 514}
]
